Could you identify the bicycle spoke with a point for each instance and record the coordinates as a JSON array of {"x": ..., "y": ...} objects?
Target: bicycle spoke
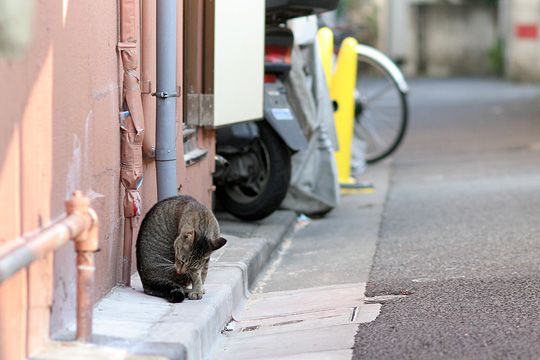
[
  {"x": 373, "y": 133},
  {"x": 376, "y": 143},
  {"x": 380, "y": 93},
  {"x": 381, "y": 114},
  {"x": 380, "y": 135},
  {"x": 397, "y": 107},
  {"x": 378, "y": 128},
  {"x": 384, "y": 117}
]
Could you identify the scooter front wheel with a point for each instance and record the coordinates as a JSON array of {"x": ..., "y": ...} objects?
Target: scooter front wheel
[{"x": 270, "y": 173}]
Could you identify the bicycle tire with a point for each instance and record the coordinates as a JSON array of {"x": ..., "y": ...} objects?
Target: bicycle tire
[{"x": 367, "y": 127}]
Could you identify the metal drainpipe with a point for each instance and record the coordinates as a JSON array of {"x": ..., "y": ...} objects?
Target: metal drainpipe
[{"x": 166, "y": 98}]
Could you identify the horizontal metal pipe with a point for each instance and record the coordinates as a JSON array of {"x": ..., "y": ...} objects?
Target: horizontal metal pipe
[
  {"x": 37, "y": 246},
  {"x": 81, "y": 226}
]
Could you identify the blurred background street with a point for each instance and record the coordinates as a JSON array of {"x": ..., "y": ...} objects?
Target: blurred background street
[{"x": 459, "y": 234}]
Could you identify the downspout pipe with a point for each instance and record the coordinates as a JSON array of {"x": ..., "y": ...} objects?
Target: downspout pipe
[{"x": 166, "y": 94}]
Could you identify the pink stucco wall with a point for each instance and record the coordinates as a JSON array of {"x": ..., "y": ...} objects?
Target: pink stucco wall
[
  {"x": 58, "y": 118},
  {"x": 59, "y": 132}
]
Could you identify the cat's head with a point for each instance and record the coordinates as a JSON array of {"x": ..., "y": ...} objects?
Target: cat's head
[{"x": 192, "y": 250}]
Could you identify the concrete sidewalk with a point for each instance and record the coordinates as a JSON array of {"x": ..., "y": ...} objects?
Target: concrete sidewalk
[
  {"x": 314, "y": 323},
  {"x": 131, "y": 325}
]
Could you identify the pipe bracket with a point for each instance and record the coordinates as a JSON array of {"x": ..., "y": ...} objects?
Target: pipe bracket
[
  {"x": 165, "y": 154},
  {"x": 126, "y": 45},
  {"x": 165, "y": 95}
]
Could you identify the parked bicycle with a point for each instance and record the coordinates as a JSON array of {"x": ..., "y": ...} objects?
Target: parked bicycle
[
  {"x": 381, "y": 105},
  {"x": 381, "y": 114}
]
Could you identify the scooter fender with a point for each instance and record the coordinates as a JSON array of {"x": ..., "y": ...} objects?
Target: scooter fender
[
  {"x": 278, "y": 113},
  {"x": 231, "y": 138}
]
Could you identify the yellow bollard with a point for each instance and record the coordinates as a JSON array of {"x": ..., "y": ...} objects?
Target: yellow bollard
[
  {"x": 342, "y": 87},
  {"x": 325, "y": 39}
]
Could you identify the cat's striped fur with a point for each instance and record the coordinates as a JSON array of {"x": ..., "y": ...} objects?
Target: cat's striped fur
[{"x": 174, "y": 244}]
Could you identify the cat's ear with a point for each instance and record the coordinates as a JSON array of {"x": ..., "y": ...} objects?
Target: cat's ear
[
  {"x": 189, "y": 235},
  {"x": 187, "y": 232},
  {"x": 218, "y": 243}
]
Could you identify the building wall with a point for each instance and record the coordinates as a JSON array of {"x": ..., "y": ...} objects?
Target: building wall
[
  {"x": 438, "y": 38},
  {"x": 457, "y": 39},
  {"x": 521, "y": 26},
  {"x": 58, "y": 116},
  {"x": 59, "y": 132}
]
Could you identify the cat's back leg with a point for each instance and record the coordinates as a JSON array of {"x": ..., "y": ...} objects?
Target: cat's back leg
[{"x": 167, "y": 290}]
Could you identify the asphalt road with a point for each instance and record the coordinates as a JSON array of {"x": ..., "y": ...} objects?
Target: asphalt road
[{"x": 460, "y": 232}]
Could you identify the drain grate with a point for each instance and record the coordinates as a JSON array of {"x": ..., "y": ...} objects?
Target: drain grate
[
  {"x": 287, "y": 322},
  {"x": 354, "y": 313},
  {"x": 250, "y": 328}
]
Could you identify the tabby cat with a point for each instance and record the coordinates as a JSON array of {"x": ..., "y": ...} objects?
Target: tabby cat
[{"x": 174, "y": 245}]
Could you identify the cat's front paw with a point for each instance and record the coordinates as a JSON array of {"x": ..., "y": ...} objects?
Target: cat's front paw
[
  {"x": 195, "y": 295},
  {"x": 176, "y": 296}
]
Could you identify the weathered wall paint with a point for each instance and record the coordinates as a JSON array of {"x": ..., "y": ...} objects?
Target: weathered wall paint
[
  {"x": 36, "y": 135},
  {"x": 86, "y": 136},
  {"x": 13, "y": 291},
  {"x": 58, "y": 111},
  {"x": 59, "y": 132}
]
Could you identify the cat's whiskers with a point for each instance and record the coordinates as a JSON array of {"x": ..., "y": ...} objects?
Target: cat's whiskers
[
  {"x": 164, "y": 259},
  {"x": 166, "y": 266}
]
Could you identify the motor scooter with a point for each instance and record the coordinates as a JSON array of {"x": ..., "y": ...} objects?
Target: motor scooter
[{"x": 253, "y": 161}]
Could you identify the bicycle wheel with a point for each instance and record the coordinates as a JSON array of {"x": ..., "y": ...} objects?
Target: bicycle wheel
[{"x": 381, "y": 114}]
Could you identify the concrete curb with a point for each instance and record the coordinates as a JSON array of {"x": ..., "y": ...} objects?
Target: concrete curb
[{"x": 148, "y": 326}]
